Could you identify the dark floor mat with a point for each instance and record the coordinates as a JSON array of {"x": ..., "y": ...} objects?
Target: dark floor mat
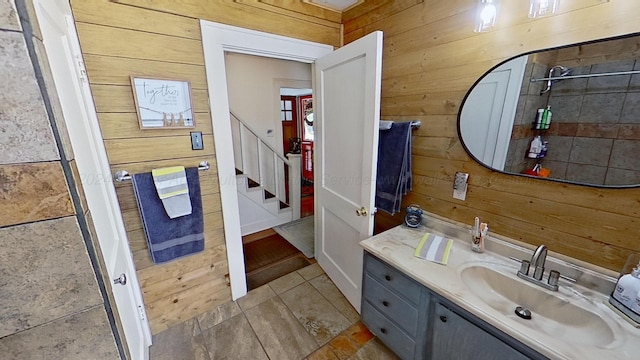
[
  {"x": 267, "y": 251},
  {"x": 271, "y": 272}
]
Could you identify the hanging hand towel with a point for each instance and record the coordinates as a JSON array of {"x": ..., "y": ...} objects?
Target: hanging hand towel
[
  {"x": 394, "y": 167},
  {"x": 171, "y": 185},
  {"x": 169, "y": 238}
]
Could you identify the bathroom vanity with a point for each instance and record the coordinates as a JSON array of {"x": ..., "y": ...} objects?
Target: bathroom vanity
[
  {"x": 466, "y": 309},
  {"x": 416, "y": 323}
]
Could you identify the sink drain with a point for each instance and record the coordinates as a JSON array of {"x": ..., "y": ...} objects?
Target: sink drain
[{"x": 523, "y": 313}]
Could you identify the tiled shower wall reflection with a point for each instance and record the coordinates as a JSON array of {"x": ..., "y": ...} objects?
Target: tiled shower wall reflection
[
  {"x": 50, "y": 303},
  {"x": 595, "y": 128}
]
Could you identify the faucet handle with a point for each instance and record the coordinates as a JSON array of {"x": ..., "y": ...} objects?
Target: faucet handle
[
  {"x": 524, "y": 267},
  {"x": 554, "y": 275}
]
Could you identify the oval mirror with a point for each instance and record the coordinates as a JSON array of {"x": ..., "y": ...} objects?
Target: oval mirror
[{"x": 569, "y": 114}]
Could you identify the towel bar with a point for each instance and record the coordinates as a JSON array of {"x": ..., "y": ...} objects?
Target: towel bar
[
  {"x": 386, "y": 124},
  {"x": 123, "y": 175}
]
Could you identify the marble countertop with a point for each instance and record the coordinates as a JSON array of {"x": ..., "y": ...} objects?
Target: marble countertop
[{"x": 396, "y": 246}]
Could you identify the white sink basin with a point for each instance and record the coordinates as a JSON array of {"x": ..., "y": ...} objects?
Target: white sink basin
[{"x": 551, "y": 312}]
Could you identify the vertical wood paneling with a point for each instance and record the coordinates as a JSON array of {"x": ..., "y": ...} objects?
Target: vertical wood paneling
[
  {"x": 162, "y": 39},
  {"x": 432, "y": 58}
]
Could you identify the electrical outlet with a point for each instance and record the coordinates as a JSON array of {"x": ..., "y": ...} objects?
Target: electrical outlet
[
  {"x": 196, "y": 140},
  {"x": 460, "y": 186}
]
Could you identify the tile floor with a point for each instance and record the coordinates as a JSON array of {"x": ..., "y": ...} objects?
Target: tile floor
[{"x": 301, "y": 315}]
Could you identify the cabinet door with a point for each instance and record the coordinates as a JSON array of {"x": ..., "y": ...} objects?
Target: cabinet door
[{"x": 456, "y": 338}]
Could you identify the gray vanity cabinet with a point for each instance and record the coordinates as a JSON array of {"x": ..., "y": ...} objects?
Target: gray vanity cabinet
[
  {"x": 391, "y": 308},
  {"x": 416, "y": 323},
  {"x": 456, "y": 338}
]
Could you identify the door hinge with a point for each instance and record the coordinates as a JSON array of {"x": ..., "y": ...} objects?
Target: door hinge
[
  {"x": 142, "y": 313},
  {"x": 82, "y": 71}
]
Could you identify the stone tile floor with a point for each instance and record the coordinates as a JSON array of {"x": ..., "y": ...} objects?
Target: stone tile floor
[{"x": 299, "y": 316}]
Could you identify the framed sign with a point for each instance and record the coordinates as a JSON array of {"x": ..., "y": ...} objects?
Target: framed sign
[{"x": 162, "y": 103}]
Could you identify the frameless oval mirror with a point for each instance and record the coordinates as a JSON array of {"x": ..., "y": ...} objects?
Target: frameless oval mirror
[{"x": 570, "y": 114}]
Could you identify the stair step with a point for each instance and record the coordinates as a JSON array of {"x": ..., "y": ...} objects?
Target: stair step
[
  {"x": 252, "y": 183},
  {"x": 260, "y": 195}
]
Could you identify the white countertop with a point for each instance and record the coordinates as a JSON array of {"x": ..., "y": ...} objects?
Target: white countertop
[{"x": 396, "y": 247}]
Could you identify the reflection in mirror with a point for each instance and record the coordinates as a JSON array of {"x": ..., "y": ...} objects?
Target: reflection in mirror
[
  {"x": 307, "y": 115},
  {"x": 570, "y": 114}
]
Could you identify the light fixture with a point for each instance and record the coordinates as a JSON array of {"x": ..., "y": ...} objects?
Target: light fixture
[
  {"x": 539, "y": 8},
  {"x": 486, "y": 15}
]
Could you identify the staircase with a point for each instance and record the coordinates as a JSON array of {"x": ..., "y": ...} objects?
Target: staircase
[{"x": 268, "y": 183}]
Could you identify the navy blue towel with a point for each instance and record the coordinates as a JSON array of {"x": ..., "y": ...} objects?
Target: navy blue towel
[
  {"x": 394, "y": 177},
  {"x": 168, "y": 238}
]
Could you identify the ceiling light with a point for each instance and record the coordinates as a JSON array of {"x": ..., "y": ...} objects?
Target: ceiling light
[
  {"x": 486, "y": 15},
  {"x": 539, "y": 8}
]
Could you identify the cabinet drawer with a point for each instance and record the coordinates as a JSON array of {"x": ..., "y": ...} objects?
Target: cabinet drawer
[
  {"x": 454, "y": 337},
  {"x": 399, "y": 342},
  {"x": 392, "y": 278},
  {"x": 391, "y": 305}
]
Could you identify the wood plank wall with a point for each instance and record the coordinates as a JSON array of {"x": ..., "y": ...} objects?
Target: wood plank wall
[
  {"x": 431, "y": 59},
  {"x": 162, "y": 39}
]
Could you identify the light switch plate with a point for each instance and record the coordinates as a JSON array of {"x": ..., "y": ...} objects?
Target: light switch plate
[
  {"x": 196, "y": 140},
  {"x": 460, "y": 186}
]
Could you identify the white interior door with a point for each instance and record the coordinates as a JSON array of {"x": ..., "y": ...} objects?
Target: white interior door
[
  {"x": 216, "y": 40},
  {"x": 346, "y": 115},
  {"x": 492, "y": 106},
  {"x": 65, "y": 59}
]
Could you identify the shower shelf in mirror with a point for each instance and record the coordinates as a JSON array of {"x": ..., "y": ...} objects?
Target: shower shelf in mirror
[{"x": 631, "y": 72}]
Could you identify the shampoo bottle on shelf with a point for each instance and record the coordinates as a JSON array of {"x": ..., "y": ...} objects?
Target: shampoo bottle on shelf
[
  {"x": 536, "y": 147},
  {"x": 543, "y": 149},
  {"x": 546, "y": 118},
  {"x": 538, "y": 123}
]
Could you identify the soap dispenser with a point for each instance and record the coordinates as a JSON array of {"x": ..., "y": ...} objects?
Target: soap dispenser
[
  {"x": 627, "y": 287},
  {"x": 625, "y": 294}
]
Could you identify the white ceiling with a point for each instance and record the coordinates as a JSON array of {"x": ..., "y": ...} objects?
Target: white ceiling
[{"x": 338, "y": 5}]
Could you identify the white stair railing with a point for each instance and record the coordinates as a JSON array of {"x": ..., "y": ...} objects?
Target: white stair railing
[{"x": 263, "y": 163}]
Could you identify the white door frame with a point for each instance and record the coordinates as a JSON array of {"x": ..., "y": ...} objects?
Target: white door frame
[
  {"x": 95, "y": 173},
  {"x": 216, "y": 40}
]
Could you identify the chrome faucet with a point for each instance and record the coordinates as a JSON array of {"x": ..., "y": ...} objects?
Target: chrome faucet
[{"x": 537, "y": 260}]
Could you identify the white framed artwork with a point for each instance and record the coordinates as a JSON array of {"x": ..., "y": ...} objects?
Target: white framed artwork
[{"x": 162, "y": 103}]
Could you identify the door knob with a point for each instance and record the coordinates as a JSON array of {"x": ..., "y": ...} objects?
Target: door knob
[
  {"x": 362, "y": 211},
  {"x": 122, "y": 280}
]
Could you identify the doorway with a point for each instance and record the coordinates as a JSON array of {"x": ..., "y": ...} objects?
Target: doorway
[
  {"x": 278, "y": 93},
  {"x": 357, "y": 108},
  {"x": 218, "y": 39},
  {"x": 296, "y": 115}
]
